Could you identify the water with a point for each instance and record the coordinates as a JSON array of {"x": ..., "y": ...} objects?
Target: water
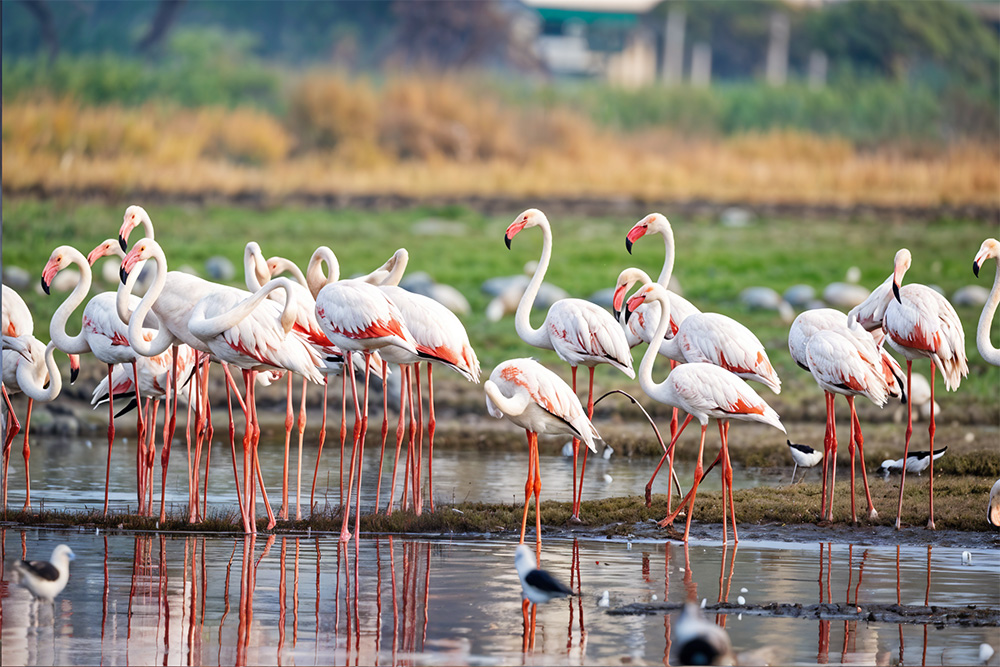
[
  {"x": 168, "y": 599},
  {"x": 70, "y": 474}
]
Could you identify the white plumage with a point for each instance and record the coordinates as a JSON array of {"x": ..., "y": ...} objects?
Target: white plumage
[{"x": 46, "y": 579}]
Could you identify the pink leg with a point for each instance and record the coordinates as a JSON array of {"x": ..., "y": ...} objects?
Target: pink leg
[
  {"x": 140, "y": 423},
  {"x": 301, "y": 425},
  {"x": 575, "y": 513},
  {"x": 833, "y": 459},
  {"x": 151, "y": 461},
  {"x": 418, "y": 456},
  {"x": 529, "y": 484},
  {"x": 322, "y": 440},
  {"x": 13, "y": 427},
  {"x": 343, "y": 426},
  {"x": 583, "y": 466},
  {"x": 111, "y": 437},
  {"x": 27, "y": 455},
  {"x": 345, "y": 534},
  {"x": 930, "y": 431},
  {"x": 872, "y": 514},
  {"x": 666, "y": 454},
  {"x": 256, "y": 458},
  {"x": 283, "y": 512},
  {"x": 729, "y": 484},
  {"x": 909, "y": 432},
  {"x": 232, "y": 441},
  {"x": 850, "y": 449},
  {"x": 210, "y": 433},
  {"x": 430, "y": 436},
  {"x": 828, "y": 397},
  {"x": 361, "y": 452},
  {"x": 694, "y": 489},
  {"x": 385, "y": 432},
  {"x": 169, "y": 424},
  {"x": 410, "y": 439},
  {"x": 538, "y": 506},
  {"x": 400, "y": 428}
]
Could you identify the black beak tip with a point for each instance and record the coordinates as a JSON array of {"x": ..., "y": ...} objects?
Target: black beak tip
[
  {"x": 74, "y": 373},
  {"x": 895, "y": 292},
  {"x": 975, "y": 268},
  {"x": 45, "y": 286},
  {"x": 618, "y": 314},
  {"x": 122, "y": 243},
  {"x": 628, "y": 245},
  {"x": 123, "y": 274},
  {"x": 628, "y": 314},
  {"x": 506, "y": 239}
]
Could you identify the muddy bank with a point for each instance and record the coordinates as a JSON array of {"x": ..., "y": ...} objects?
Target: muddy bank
[{"x": 968, "y": 616}]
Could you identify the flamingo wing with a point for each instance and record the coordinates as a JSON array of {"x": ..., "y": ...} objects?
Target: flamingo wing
[
  {"x": 712, "y": 391},
  {"x": 357, "y": 310},
  {"x": 584, "y": 333},
  {"x": 838, "y": 364},
  {"x": 17, "y": 319},
  {"x": 924, "y": 322},
  {"x": 722, "y": 341}
]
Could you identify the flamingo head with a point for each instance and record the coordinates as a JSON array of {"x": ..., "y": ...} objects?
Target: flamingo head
[
  {"x": 626, "y": 279},
  {"x": 901, "y": 264},
  {"x": 107, "y": 247},
  {"x": 253, "y": 260},
  {"x": 139, "y": 252},
  {"x": 273, "y": 266},
  {"x": 652, "y": 223},
  {"x": 990, "y": 248},
  {"x": 134, "y": 216},
  {"x": 530, "y": 218},
  {"x": 58, "y": 260},
  {"x": 639, "y": 298}
]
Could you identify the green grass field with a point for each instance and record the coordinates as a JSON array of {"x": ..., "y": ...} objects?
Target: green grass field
[{"x": 714, "y": 263}]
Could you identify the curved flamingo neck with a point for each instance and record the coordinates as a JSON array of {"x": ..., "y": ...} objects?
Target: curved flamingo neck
[
  {"x": 668, "y": 257},
  {"x": 136, "y": 340},
  {"x": 655, "y": 389},
  {"x": 522, "y": 321},
  {"x": 392, "y": 271},
  {"x": 513, "y": 406},
  {"x": 282, "y": 265},
  {"x": 315, "y": 278},
  {"x": 36, "y": 391},
  {"x": 209, "y": 327},
  {"x": 57, "y": 327},
  {"x": 986, "y": 349}
]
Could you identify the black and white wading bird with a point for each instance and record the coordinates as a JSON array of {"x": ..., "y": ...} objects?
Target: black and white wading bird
[
  {"x": 993, "y": 510},
  {"x": 804, "y": 456},
  {"x": 46, "y": 579},
  {"x": 538, "y": 586},
  {"x": 699, "y": 642},
  {"x": 916, "y": 462}
]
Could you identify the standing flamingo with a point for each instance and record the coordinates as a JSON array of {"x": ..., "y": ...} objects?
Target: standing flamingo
[
  {"x": 28, "y": 372},
  {"x": 537, "y": 400},
  {"x": 580, "y": 332},
  {"x": 102, "y": 333},
  {"x": 989, "y": 249},
  {"x": 868, "y": 350},
  {"x": 704, "y": 391},
  {"x": 358, "y": 317},
  {"x": 918, "y": 323}
]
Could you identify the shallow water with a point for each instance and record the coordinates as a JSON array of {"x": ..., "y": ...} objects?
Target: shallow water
[
  {"x": 169, "y": 599},
  {"x": 70, "y": 474}
]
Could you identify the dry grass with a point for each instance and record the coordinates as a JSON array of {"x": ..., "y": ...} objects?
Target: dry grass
[{"x": 426, "y": 136}]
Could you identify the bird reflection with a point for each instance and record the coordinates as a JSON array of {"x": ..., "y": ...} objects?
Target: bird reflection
[{"x": 720, "y": 619}]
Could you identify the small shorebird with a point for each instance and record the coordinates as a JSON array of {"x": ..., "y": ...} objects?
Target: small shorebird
[
  {"x": 46, "y": 579},
  {"x": 804, "y": 456},
  {"x": 916, "y": 462},
  {"x": 538, "y": 586},
  {"x": 699, "y": 642},
  {"x": 993, "y": 510}
]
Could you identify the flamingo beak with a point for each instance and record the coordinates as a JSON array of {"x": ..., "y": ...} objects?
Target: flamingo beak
[
  {"x": 628, "y": 245},
  {"x": 45, "y": 285},
  {"x": 634, "y": 235},
  {"x": 123, "y": 243},
  {"x": 506, "y": 239},
  {"x": 895, "y": 291},
  {"x": 975, "y": 267},
  {"x": 48, "y": 274},
  {"x": 74, "y": 367},
  {"x": 617, "y": 302},
  {"x": 123, "y": 274}
]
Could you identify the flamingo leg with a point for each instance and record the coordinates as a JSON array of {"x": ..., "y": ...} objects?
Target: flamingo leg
[
  {"x": 669, "y": 519},
  {"x": 13, "y": 427},
  {"x": 909, "y": 432},
  {"x": 26, "y": 452},
  {"x": 418, "y": 456},
  {"x": 140, "y": 424},
  {"x": 230, "y": 382},
  {"x": 111, "y": 437},
  {"x": 151, "y": 461},
  {"x": 850, "y": 449},
  {"x": 283, "y": 511},
  {"x": 361, "y": 453},
  {"x": 732, "y": 503},
  {"x": 575, "y": 514},
  {"x": 430, "y": 435},
  {"x": 722, "y": 457},
  {"x": 192, "y": 386},
  {"x": 301, "y": 425},
  {"x": 930, "y": 431},
  {"x": 399, "y": 438},
  {"x": 204, "y": 427},
  {"x": 343, "y": 427},
  {"x": 529, "y": 484},
  {"x": 385, "y": 433},
  {"x": 538, "y": 506},
  {"x": 169, "y": 424},
  {"x": 345, "y": 534},
  {"x": 666, "y": 454},
  {"x": 319, "y": 450},
  {"x": 411, "y": 435},
  {"x": 694, "y": 488},
  {"x": 248, "y": 483},
  {"x": 872, "y": 514},
  {"x": 833, "y": 459},
  {"x": 256, "y": 457},
  {"x": 828, "y": 397},
  {"x": 586, "y": 450},
  {"x": 210, "y": 432}
]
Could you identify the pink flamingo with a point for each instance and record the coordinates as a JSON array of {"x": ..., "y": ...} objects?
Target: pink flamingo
[
  {"x": 536, "y": 399},
  {"x": 102, "y": 333},
  {"x": 920, "y": 324},
  {"x": 990, "y": 249},
  {"x": 580, "y": 332},
  {"x": 704, "y": 391},
  {"x": 868, "y": 351},
  {"x": 27, "y": 366},
  {"x": 358, "y": 317}
]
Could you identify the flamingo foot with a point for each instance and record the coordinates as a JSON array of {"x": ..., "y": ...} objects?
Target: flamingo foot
[
  {"x": 575, "y": 519},
  {"x": 930, "y": 524},
  {"x": 898, "y": 525},
  {"x": 872, "y": 515}
]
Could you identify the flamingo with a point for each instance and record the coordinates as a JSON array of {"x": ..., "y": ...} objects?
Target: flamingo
[
  {"x": 245, "y": 330},
  {"x": 580, "y": 332},
  {"x": 918, "y": 323},
  {"x": 27, "y": 366},
  {"x": 869, "y": 350},
  {"x": 536, "y": 399},
  {"x": 989, "y": 249},
  {"x": 358, "y": 317},
  {"x": 102, "y": 333},
  {"x": 704, "y": 391}
]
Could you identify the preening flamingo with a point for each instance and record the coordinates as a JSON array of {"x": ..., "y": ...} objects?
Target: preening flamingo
[
  {"x": 918, "y": 323},
  {"x": 358, "y": 317},
  {"x": 28, "y": 372},
  {"x": 866, "y": 350},
  {"x": 537, "y": 400},
  {"x": 102, "y": 333},
  {"x": 704, "y": 391},
  {"x": 989, "y": 249},
  {"x": 580, "y": 332}
]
